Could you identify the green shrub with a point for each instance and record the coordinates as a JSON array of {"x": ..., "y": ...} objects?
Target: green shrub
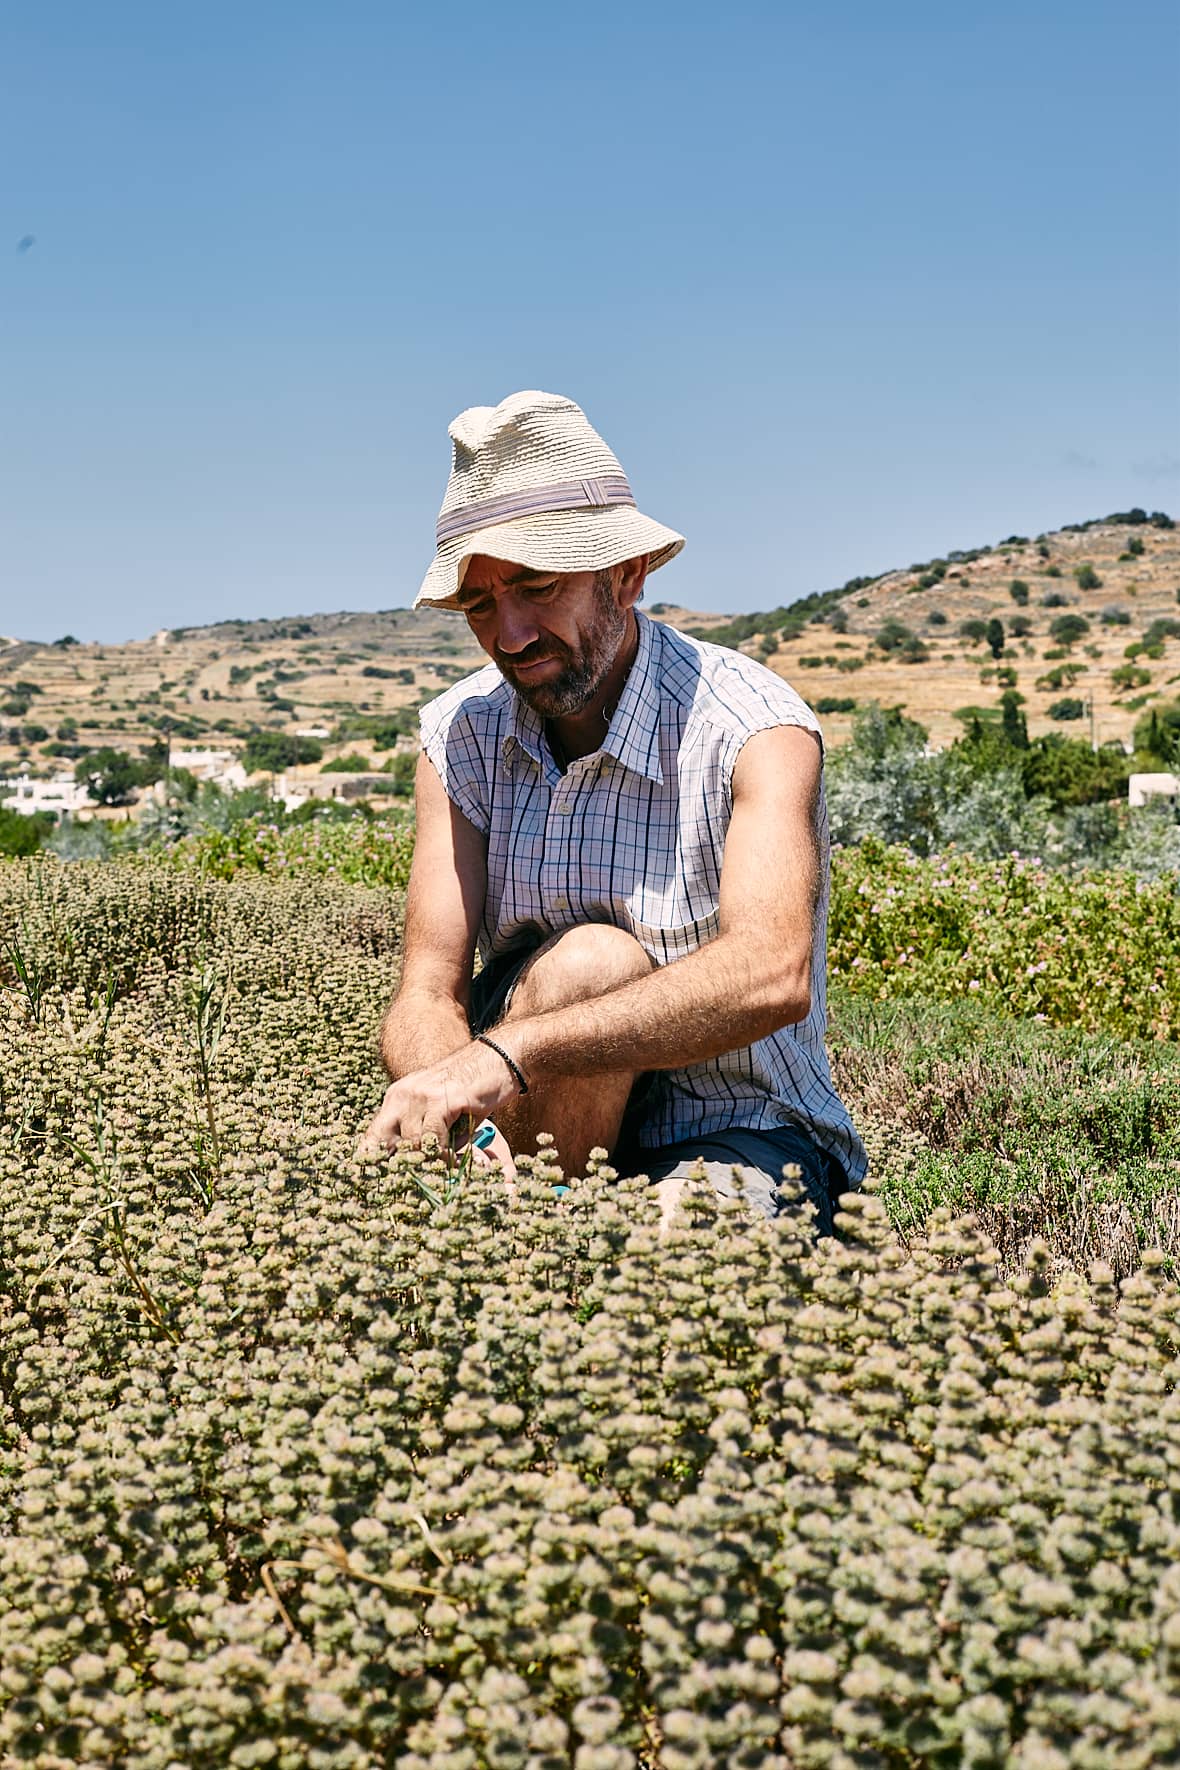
[
  {"x": 1086, "y": 578},
  {"x": 936, "y": 617},
  {"x": 995, "y": 637},
  {"x": 109, "y": 776},
  {"x": 1052, "y": 571},
  {"x": 974, "y": 631},
  {"x": 892, "y": 635},
  {"x": 1099, "y": 950},
  {"x": 1066, "y": 709},
  {"x": 1112, "y": 616},
  {"x": 353, "y": 763},
  {"x": 1019, "y": 626},
  {"x": 21, "y": 832},
  {"x": 1130, "y": 676},
  {"x": 835, "y": 704},
  {"x": 273, "y": 751},
  {"x": 1019, "y": 592},
  {"x": 1054, "y": 599},
  {"x": 1158, "y": 732},
  {"x": 1068, "y": 629}
]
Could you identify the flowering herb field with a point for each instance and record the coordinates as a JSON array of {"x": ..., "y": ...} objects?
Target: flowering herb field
[
  {"x": 313, "y": 1461},
  {"x": 1098, "y": 950}
]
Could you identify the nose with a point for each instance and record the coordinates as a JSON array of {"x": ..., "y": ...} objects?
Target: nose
[{"x": 516, "y": 624}]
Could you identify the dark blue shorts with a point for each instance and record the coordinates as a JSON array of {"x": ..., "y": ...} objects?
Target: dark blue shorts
[{"x": 736, "y": 1160}]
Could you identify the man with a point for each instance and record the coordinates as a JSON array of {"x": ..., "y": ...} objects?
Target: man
[{"x": 631, "y": 827}]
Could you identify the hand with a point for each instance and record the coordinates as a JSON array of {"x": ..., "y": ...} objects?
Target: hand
[{"x": 472, "y": 1082}]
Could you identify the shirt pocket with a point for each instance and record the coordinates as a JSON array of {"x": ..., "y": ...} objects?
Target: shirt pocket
[{"x": 672, "y": 937}]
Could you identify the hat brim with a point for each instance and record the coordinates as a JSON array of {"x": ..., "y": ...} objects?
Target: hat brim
[{"x": 553, "y": 541}]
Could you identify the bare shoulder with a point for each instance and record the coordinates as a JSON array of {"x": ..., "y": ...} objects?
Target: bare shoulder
[{"x": 782, "y": 763}]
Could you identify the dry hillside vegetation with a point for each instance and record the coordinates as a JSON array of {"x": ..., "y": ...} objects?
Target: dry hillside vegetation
[
  {"x": 1135, "y": 591},
  {"x": 210, "y": 685}
]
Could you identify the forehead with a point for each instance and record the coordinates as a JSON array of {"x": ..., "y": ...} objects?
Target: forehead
[{"x": 485, "y": 574}]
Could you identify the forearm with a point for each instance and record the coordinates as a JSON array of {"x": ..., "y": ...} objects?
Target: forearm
[
  {"x": 721, "y": 998},
  {"x": 419, "y": 1029}
]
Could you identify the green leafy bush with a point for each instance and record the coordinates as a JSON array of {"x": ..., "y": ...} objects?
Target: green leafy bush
[
  {"x": 1067, "y": 708},
  {"x": 973, "y": 630},
  {"x": 1019, "y": 592},
  {"x": 310, "y": 1460},
  {"x": 1098, "y": 950},
  {"x": 1113, "y": 616},
  {"x": 22, "y": 833},
  {"x": 1061, "y": 676},
  {"x": 1086, "y": 578},
  {"x": 273, "y": 751},
  {"x": 109, "y": 776},
  {"x": 353, "y": 763},
  {"x": 1069, "y": 629},
  {"x": 1158, "y": 732}
]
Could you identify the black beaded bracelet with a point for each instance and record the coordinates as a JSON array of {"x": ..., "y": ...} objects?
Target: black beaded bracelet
[{"x": 518, "y": 1073}]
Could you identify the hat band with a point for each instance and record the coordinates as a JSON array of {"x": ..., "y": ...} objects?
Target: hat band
[{"x": 573, "y": 494}]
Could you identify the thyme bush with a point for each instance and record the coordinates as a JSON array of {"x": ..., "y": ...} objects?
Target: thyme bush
[{"x": 300, "y": 1467}]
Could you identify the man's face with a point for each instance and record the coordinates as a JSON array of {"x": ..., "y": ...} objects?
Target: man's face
[{"x": 553, "y": 635}]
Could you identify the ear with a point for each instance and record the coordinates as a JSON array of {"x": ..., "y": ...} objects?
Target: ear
[{"x": 629, "y": 580}]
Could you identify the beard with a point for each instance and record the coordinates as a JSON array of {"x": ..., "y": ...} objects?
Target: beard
[{"x": 584, "y": 668}]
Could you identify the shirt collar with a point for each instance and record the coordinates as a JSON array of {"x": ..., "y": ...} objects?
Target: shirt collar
[{"x": 633, "y": 736}]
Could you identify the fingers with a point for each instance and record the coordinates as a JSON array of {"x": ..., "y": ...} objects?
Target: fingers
[{"x": 500, "y": 1151}]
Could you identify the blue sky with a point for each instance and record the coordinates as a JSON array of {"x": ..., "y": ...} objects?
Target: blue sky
[{"x": 844, "y": 285}]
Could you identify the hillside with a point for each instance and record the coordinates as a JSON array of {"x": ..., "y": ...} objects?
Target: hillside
[{"x": 896, "y": 638}]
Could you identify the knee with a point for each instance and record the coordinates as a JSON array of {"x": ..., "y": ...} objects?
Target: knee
[{"x": 583, "y": 962}]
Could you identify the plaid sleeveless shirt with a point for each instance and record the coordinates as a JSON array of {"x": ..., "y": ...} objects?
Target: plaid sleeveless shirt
[{"x": 634, "y": 835}]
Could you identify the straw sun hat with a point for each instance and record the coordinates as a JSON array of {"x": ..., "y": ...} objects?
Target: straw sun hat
[{"x": 533, "y": 482}]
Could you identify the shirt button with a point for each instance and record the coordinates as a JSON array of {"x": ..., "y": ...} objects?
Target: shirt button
[
  {"x": 561, "y": 903},
  {"x": 564, "y": 809}
]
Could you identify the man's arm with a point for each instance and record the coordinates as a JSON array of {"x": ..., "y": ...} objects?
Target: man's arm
[
  {"x": 427, "y": 1019},
  {"x": 752, "y": 979}
]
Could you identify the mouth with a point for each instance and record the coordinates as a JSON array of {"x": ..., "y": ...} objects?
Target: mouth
[{"x": 518, "y": 669}]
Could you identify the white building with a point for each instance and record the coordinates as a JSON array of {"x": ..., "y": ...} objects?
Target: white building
[
  {"x": 221, "y": 766},
  {"x": 1141, "y": 787},
  {"x": 61, "y": 794}
]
